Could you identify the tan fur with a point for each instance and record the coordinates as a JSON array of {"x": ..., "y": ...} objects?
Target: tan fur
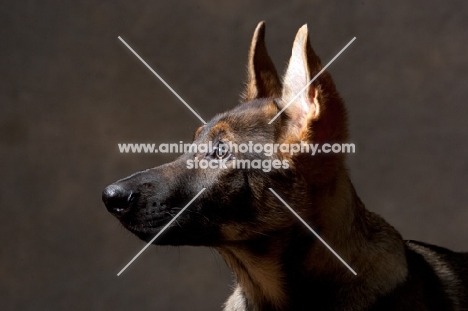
[
  {"x": 258, "y": 277},
  {"x": 347, "y": 225},
  {"x": 220, "y": 127},
  {"x": 197, "y": 132}
]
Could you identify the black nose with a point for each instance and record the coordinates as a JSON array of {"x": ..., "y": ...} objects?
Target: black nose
[{"x": 117, "y": 199}]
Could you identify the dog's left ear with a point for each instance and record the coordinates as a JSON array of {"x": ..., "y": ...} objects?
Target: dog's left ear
[
  {"x": 316, "y": 111},
  {"x": 262, "y": 77}
]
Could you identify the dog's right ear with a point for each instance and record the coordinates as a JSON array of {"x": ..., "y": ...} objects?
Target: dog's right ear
[
  {"x": 316, "y": 111},
  {"x": 262, "y": 77}
]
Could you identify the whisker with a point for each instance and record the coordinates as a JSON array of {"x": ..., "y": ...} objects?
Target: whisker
[{"x": 178, "y": 208}]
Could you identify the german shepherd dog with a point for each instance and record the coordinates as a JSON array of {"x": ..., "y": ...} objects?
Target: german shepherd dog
[{"x": 277, "y": 262}]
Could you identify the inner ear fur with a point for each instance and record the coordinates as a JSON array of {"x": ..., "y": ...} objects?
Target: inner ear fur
[{"x": 318, "y": 113}]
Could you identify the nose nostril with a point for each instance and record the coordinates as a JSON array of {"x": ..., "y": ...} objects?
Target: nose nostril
[{"x": 117, "y": 199}]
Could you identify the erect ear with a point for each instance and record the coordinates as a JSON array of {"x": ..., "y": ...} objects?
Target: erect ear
[
  {"x": 315, "y": 110},
  {"x": 262, "y": 77}
]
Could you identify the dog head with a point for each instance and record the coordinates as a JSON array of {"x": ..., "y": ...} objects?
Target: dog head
[{"x": 236, "y": 205}]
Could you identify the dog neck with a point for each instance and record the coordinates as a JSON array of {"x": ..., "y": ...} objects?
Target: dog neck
[{"x": 284, "y": 269}]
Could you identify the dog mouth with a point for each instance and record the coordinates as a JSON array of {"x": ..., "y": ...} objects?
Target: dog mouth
[
  {"x": 148, "y": 225},
  {"x": 149, "y": 229}
]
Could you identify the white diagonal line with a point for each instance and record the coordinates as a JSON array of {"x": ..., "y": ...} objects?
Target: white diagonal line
[
  {"x": 312, "y": 230},
  {"x": 159, "y": 233},
  {"x": 310, "y": 82},
  {"x": 162, "y": 80}
]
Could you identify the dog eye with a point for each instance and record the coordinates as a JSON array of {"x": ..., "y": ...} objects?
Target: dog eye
[{"x": 221, "y": 150}]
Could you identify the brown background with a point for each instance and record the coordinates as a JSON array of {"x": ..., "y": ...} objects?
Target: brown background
[{"x": 70, "y": 91}]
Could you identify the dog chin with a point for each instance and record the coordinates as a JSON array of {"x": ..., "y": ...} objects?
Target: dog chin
[
  {"x": 168, "y": 237},
  {"x": 174, "y": 236}
]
